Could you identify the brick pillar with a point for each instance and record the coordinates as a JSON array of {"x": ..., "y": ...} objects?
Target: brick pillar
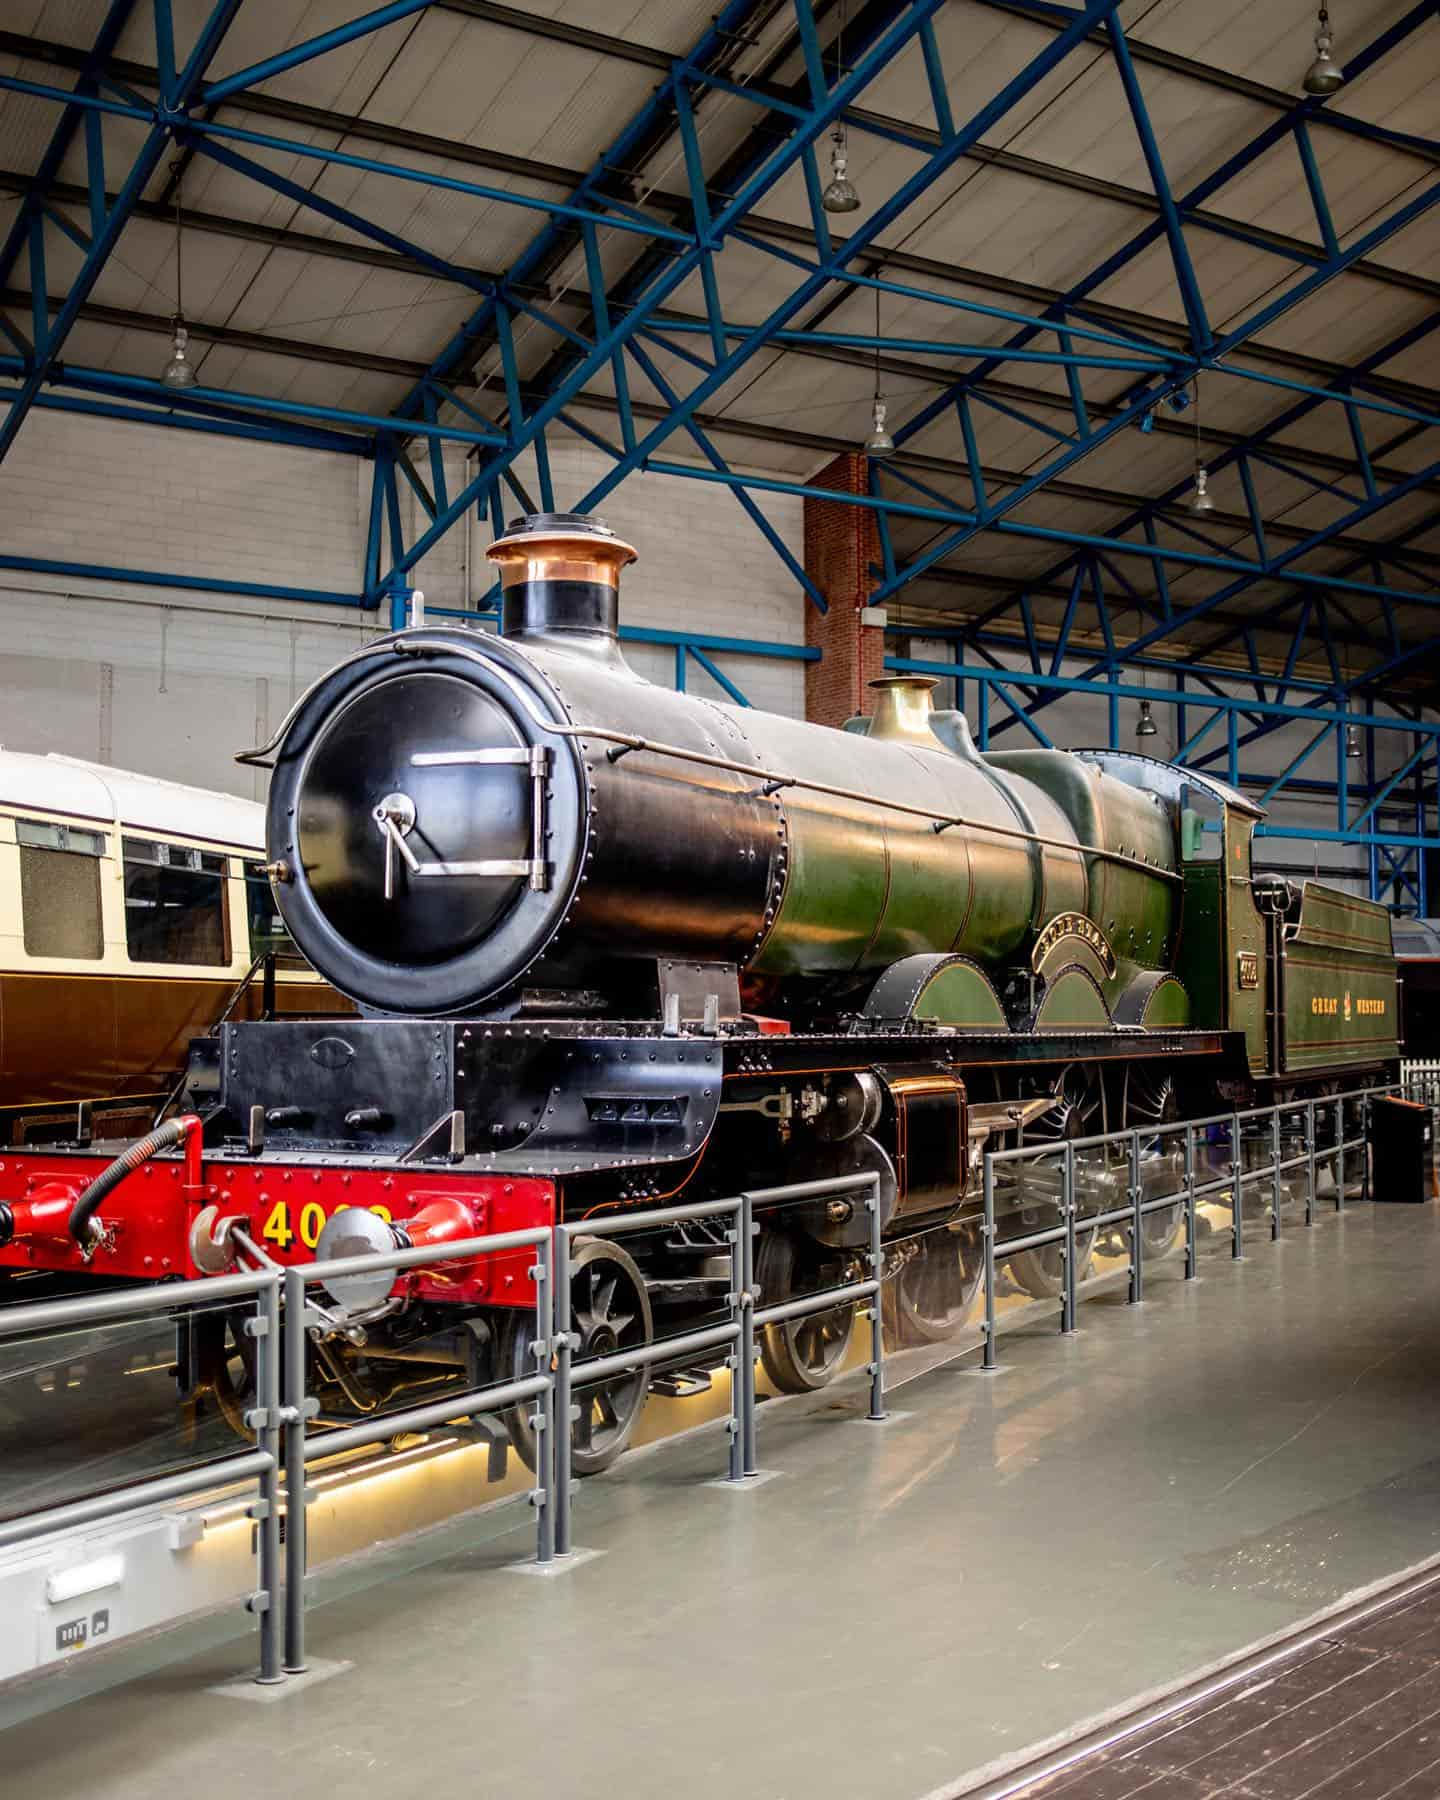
[{"x": 841, "y": 545}]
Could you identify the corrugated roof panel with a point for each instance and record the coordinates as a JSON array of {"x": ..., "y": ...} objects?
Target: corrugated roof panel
[
  {"x": 1002, "y": 223},
  {"x": 1361, "y": 182},
  {"x": 508, "y": 91},
  {"x": 342, "y": 79},
  {"x": 1089, "y": 127}
]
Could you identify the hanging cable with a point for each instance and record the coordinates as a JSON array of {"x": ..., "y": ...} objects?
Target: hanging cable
[
  {"x": 879, "y": 442},
  {"x": 1200, "y": 500},
  {"x": 179, "y": 372}
]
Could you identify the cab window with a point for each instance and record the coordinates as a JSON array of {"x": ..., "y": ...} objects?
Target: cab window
[
  {"x": 1202, "y": 826},
  {"x": 174, "y": 904},
  {"x": 60, "y": 889}
]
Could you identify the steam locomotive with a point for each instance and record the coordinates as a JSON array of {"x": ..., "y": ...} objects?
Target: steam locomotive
[{"x": 610, "y": 944}]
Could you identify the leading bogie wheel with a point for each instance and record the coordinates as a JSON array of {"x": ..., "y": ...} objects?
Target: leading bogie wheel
[
  {"x": 805, "y": 1354},
  {"x": 609, "y": 1312}
]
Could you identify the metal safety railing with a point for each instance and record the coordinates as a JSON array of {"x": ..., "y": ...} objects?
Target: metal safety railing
[
  {"x": 260, "y": 1466},
  {"x": 1283, "y": 1138},
  {"x": 1218, "y": 1159},
  {"x": 283, "y": 1408},
  {"x": 303, "y": 1448},
  {"x": 746, "y": 1315}
]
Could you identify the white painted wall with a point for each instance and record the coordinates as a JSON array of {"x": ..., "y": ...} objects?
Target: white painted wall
[{"x": 173, "y": 682}]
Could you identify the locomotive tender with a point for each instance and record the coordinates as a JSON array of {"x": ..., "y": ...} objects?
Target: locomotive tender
[{"x": 611, "y": 944}]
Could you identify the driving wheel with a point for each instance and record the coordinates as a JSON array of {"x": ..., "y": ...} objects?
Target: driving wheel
[
  {"x": 801, "y": 1355},
  {"x": 931, "y": 1290},
  {"x": 1077, "y": 1110},
  {"x": 1150, "y": 1100}
]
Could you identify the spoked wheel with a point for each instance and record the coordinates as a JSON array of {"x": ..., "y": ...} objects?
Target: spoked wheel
[
  {"x": 801, "y": 1355},
  {"x": 1077, "y": 1110},
  {"x": 1149, "y": 1099},
  {"x": 609, "y": 1312},
  {"x": 932, "y": 1291},
  {"x": 225, "y": 1363}
]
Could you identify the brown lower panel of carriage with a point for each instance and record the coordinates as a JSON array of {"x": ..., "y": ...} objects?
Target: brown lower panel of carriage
[
  {"x": 66, "y": 1037},
  {"x": 1353, "y": 1713}
]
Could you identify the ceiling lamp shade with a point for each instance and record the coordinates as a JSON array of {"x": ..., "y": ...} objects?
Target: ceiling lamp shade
[
  {"x": 1324, "y": 75},
  {"x": 1200, "y": 500},
  {"x": 179, "y": 371},
  {"x": 1145, "y": 725},
  {"x": 879, "y": 442},
  {"x": 840, "y": 195}
]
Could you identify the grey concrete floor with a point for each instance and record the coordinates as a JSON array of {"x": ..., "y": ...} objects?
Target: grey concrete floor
[{"x": 906, "y": 1603}]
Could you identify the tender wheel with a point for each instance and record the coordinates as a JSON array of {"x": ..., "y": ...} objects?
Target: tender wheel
[
  {"x": 1149, "y": 1098},
  {"x": 609, "y": 1311},
  {"x": 801, "y": 1355},
  {"x": 932, "y": 1291},
  {"x": 1078, "y": 1110}
]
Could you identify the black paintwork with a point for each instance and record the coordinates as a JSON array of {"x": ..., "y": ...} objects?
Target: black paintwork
[{"x": 622, "y": 1113}]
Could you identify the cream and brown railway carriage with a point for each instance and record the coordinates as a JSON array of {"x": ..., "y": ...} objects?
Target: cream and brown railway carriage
[{"x": 131, "y": 912}]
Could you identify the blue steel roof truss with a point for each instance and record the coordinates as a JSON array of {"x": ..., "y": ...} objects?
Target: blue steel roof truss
[{"x": 626, "y": 321}]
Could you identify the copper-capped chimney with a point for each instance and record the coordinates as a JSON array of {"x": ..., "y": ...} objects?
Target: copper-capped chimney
[
  {"x": 903, "y": 708},
  {"x": 560, "y": 582}
]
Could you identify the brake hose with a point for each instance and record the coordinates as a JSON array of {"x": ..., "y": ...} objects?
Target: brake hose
[{"x": 173, "y": 1131}]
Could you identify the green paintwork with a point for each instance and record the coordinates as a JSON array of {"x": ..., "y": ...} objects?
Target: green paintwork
[
  {"x": 1200, "y": 953},
  {"x": 1136, "y": 911},
  {"x": 1244, "y": 935},
  {"x": 1073, "y": 1003},
  {"x": 1074, "y": 951},
  {"x": 1155, "y": 1002},
  {"x": 1344, "y": 920},
  {"x": 861, "y": 894},
  {"x": 960, "y": 995},
  {"x": 1340, "y": 982}
]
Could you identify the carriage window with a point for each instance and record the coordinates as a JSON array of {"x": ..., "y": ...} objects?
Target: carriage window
[
  {"x": 268, "y": 935},
  {"x": 174, "y": 904},
  {"x": 60, "y": 889}
]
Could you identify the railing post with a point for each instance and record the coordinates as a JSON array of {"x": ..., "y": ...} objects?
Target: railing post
[
  {"x": 1310, "y": 1153},
  {"x": 561, "y": 1403},
  {"x": 736, "y": 1427},
  {"x": 1067, "y": 1303},
  {"x": 549, "y": 1479},
  {"x": 988, "y": 1228},
  {"x": 265, "y": 1328},
  {"x": 1237, "y": 1192},
  {"x": 1190, "y": 1203},
  {"x": 877, "y": 1325},
  {"x": 1275, "y": 1182},
  {"x": 1340, "y": 1154},
  {"x": 295, "y": 1417},
  {"x": 1137, "y": 1219},
  {"x": 1365, "y": 1100},
  {"x": 746, "y": 1346}
]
